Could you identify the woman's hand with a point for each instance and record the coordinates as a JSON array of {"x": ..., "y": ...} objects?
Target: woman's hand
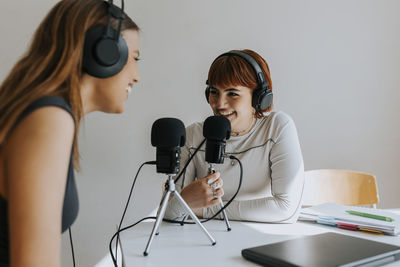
[{"x": 200, "y": 193}]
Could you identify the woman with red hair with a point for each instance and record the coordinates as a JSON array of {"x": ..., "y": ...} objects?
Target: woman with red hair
[{"x": 265, "y": 141}]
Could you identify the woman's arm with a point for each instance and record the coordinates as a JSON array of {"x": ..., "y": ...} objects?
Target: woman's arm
[
  {"x": 37, "y": 155},
  {"x": 287, "y": 180}
]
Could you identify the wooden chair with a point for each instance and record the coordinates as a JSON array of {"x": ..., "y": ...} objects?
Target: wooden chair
[{"x": 340, "y": 186}]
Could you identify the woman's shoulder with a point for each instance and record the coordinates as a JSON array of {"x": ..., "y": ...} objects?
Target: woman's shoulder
[
  {"x": 43, "y": 118},
  {"x": 274, "y": 123},
  {"x": 47, "y": 119},
  {"x": 49, "y": 110},
  {"x": 44, "y": 129},
  {"x": 48, "y": 101},
  {"x": 277, "y": 119}
]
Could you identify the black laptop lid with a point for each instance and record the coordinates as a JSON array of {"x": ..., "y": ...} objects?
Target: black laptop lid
[{"x": 328, "y": 249}]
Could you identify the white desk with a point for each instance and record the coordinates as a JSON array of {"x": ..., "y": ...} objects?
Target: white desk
[{"x": 188, "y": 246}]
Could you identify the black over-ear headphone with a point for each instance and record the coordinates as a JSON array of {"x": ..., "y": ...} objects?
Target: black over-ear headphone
[
  {"x": 105, "y": 50},
  {"x": 262, "y": 95}
]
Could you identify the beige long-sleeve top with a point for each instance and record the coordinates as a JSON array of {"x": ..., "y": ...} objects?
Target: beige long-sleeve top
[{"x": 273, "y": 172}]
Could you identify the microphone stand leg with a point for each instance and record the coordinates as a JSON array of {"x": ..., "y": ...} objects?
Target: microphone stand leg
[
  {"x": 160, "y": 208},
  {"x": 160, "y": 216},
  {"x": 194, "y": 217},
  {"x": 170, "y": 188},
  {"x": 228, "y": 226}
]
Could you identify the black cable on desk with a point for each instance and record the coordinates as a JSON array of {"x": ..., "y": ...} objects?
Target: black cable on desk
[{"x": 117, "y": 234}]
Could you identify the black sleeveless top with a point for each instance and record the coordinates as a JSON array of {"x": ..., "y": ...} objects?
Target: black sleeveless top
[{"x": 71, "y": 204}]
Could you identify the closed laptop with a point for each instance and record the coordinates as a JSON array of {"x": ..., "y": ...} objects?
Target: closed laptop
[{"x": 328, "y": 249}]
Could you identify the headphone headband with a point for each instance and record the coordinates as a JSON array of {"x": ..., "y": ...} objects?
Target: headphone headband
[{"x": 117, "y": 13}]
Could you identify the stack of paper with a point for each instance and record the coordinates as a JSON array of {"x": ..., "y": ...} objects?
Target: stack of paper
[{"x": 337, "y": 215}]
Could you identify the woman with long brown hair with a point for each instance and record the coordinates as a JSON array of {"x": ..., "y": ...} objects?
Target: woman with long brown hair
[
  {"x": 239, "y": 88},
  {"x": 82, "y": 58}
]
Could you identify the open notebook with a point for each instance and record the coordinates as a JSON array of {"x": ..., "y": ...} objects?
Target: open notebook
[{"x": 335, "y": 214}]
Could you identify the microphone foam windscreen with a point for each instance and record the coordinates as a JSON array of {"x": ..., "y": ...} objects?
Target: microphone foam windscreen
[
  {"x": 217, "y": 128},
  {"x": 168, "y": 132}
]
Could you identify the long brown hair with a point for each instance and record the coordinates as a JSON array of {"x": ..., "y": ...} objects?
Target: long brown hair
[
  {"x": 233, "y": 70},
  {"x": 52, "y": 65}
]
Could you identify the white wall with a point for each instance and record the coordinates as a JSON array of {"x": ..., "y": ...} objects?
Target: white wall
[{"x": 334, "y": 68}]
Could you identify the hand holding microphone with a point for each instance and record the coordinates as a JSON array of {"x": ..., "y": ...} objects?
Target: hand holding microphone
[{"x": 204, "y": 192}]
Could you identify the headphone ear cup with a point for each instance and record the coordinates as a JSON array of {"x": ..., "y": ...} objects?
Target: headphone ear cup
[
  {"x": 103, "y": 57},
  {"x": 262, "y": 99},
  {"x": 207, "y": 92}
]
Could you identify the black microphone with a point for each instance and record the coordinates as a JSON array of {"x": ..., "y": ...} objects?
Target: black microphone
[
  {"x": 168, "y": 135},
  {"x": 216, "y": 129}
]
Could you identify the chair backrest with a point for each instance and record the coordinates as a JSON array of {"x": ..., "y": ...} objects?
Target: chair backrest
[{"x": 341, "y": 187}]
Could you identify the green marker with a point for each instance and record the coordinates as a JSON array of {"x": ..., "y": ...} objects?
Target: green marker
[{"x": 372, "y": 216}]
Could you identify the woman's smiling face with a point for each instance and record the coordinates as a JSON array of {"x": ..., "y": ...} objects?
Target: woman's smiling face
[{"x": 234, "y": 103}]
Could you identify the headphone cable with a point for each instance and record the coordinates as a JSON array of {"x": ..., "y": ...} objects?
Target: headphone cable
[
  {"x": 114, "y": 259},
  {"x": 187, "y": 163},
  {"x": 125, "y": 209},
  {"x": 72, "y": 246}
]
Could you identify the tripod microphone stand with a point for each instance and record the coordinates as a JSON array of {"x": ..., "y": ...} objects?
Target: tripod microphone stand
[{"x": 170, "y": 189}]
